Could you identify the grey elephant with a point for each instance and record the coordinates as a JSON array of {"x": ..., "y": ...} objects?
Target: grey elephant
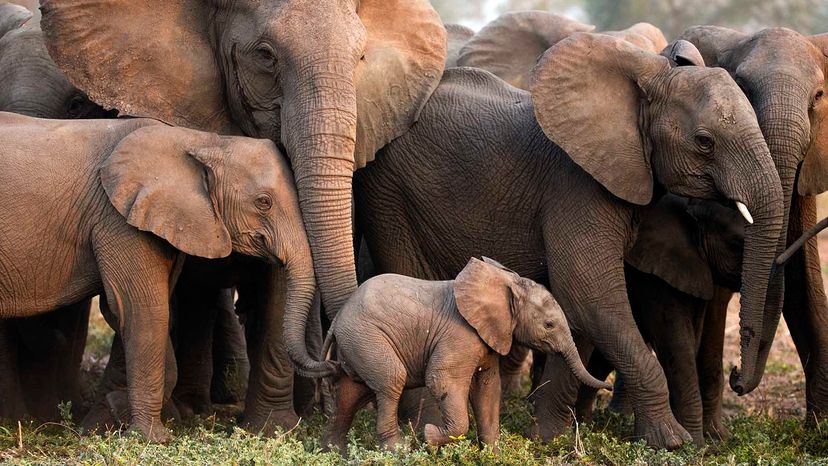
[
  {"x": 399, "y": 332},
  {"x": 330, "y": 81},
  {"x": 787, "y": 91},
  {"x": 625, "y": 124},
  {"x": 139, "y": 197},
  {"x": 510, "y": 45},
  {"x": 688, "y": 254}
]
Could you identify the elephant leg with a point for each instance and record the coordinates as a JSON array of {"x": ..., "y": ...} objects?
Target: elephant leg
[
  {"x": 12, "y": 405},
  {"x": 485, "y": 401},
  {"x": 511, "y": 370},
  {"x": 140, "y": 302},
  {"x": 671, "y": 321},
  {"x": 585, "y": 403},
  {"x": 50, "y": 356},
  {"x": 349, "y": 397},
  {"x": 196, "y": 309},
  {"x": 231, "y": 368},
  {"x": 418, "y": 408},
  {"x": 269, "y": 400},
  {"x": 596, "y": 305},
  {"x": 709, "y": 363},
  {"x": 806, "y": 309},
  {"x": 454, "y": 404}
]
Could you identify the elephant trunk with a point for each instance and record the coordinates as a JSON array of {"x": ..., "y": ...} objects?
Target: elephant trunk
[
  {"x": 761, "y": 191},
  {"x": 298, "y": 305},
  {"x": 787, "y": 131},
  {"x": 319, "y": 130},
  {"x": 573, "y": 361}
]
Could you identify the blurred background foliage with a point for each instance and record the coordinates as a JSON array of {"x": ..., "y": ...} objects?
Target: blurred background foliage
[{"x": 672, "y": 16}]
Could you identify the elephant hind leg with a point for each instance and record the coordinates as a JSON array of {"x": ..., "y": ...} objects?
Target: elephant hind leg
[
  {"x": 12, "y": 405},
  {"x": 349, "y": 397},
  {"x": 709, "y": 363}
]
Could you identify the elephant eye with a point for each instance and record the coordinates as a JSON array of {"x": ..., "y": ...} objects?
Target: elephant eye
[
  {"x": 705, "y": 143},
  {"x": 818, "y": 96},
  {"x": 265, "y": 55},
  {"x": 263, "y": 202},
  {"x": 549, "y": 325}
]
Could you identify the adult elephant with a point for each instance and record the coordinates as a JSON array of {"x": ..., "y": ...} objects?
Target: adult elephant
[
  {"x": 787, "y": 91},
  {"x": 510, "y": 45},
  {"x": 330, "y": 81},
  {"x": 41, "y": 355},
  {"x": 480, "y": 174}
]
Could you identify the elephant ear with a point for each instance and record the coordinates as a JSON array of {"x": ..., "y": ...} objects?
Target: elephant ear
[
  {"x": 145, "y": 58},
  {"x": 714, "y": 42},
  {"x": 458, "y": 35},
  {"x": 813, "y": 176},
  {"x": 12, "y": 17},
  {"x": 683, "y": 53},
  {"x": 644, "y": 35},
  {"x": 666, "y": 247},
  {"x": 509, "y": 46},
  {"x": 405, "y": 55},
  {"x": 485, "y": 296},
  {"x": 588, "y": 92},
  {"x": 160, "y": 179}
]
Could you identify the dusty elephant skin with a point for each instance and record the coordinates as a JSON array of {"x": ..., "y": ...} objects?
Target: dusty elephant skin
[
  {"x": 331, "y": 81},
  {"x": 140, "y": 196},
  {"x": 787, "y": 91},
  {"x": 566, "y": 214},
  {"x": 43, "y": 352},
  {"x": 398, "y": 332}
]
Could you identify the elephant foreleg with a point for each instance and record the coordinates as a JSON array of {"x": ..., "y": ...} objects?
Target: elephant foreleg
[
  {"x": 585, "y": 403},
  {"x": 806, "y": 309},
  {"x": 269, "y": 400},
  {"x": 231, "y": 368},
  {"x": 709, "y": 363},
  {"x": 12, "y": 405}
]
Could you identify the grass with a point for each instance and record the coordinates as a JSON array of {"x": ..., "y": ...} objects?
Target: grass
[{"x": 756, "y": 440}]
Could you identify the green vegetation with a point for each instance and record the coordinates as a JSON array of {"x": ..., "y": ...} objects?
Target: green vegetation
[{"x": 756, "y": 440}]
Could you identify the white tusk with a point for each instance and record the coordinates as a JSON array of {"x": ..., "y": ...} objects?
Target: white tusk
[{"x": 745, "y": 212}]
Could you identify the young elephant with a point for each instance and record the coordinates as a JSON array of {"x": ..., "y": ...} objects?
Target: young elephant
[
  {"x": 398, "y": 332},
  {"x": 113, "y": 206}
]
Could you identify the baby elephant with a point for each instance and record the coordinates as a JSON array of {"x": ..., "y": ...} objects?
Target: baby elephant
[
  {"x": 114, "y": 206},
  {"x": 397, "y": 332}
]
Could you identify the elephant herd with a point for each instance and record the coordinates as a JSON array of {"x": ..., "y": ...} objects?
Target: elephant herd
[{"x": 224, "y": 174}]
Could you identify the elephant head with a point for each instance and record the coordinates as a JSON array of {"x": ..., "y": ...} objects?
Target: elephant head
[
  {"x": 208, "y": 195},
  {"x": 783, "y": 74},
  {"x": 692, "y": 244},
  {"x": 500, "y": 304},
  {"x": 12, "y": 17},
  {"x": 509, "y": 46},
  {"x": 331, "y": 81},
  {"x": 31, "y": 84},
  {"x": 634, "y": 122}
]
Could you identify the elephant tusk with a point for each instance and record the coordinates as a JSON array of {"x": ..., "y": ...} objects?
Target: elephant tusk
[{"x": 745, "y": 212}]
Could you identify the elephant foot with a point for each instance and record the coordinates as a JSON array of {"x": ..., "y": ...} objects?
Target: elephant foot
[
  {"x": 118, "y": 402},
  {"x": 715, "y": 430},
  {"x": 267, "y": 424},
  {"x": 432, "y": 435},
  {"x": 335, "y": 441},
  {"x": 664, "y": 432},
  {"x": 550, "y": 421},
  {"x": 189, "y": 406},
  {"x": 154, "y": 431},
  {"x": 511, "y": 385}
]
